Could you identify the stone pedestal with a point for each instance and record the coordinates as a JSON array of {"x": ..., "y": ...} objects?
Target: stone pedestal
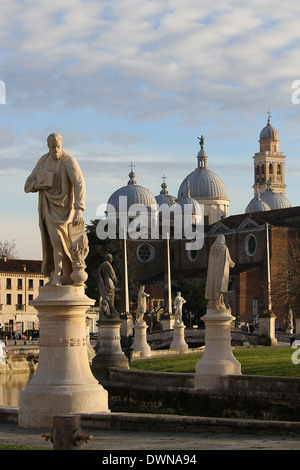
[
  {"x": 63, "y": 383},
  {"x": 178, "y": 342},
  {"x": 167, "y": 323},
  {"x": 127, "y": 326},
  {"x": 140, "y": 339},
  {"x": 108, "y": 350},
  {"x": 267, "y": 330},
  {"x": 217, "y": 359},
  {"x": 297, "y": 326}
]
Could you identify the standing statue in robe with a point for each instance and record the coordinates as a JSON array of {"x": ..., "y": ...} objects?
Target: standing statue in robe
[
  {"x": 106, "y": 281},
  {"x": 58, "y": 179},
  {"x": 217, "y": 280},
  {"x": 142, "y": 304}
]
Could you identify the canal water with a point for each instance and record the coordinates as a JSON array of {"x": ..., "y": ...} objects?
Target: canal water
[{"x": 11, "y": 384}]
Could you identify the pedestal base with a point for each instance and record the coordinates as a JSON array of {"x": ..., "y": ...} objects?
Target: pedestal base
[
  {"x": 178, "y": 342},
  {"x": 217, "y": 359},
  {"x": 140, "y": 339},
  {"x": 267, "y": 331},
  {"x": 63, "y": 382},
  {"x": 109, "y": 352}
]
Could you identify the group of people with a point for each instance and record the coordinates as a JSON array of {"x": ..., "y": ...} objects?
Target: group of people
[{"x": 248, "y": 327}]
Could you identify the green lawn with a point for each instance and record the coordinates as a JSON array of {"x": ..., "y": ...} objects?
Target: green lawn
[{"x": 274, "y": 361}]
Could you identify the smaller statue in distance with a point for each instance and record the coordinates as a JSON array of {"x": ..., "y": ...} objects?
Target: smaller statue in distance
[
  {"x": 217, "y": 280},
  {"x": 142, "y": 304},
  {"x": 177, "y": 304},
  {"x": 106, "y": 282}
]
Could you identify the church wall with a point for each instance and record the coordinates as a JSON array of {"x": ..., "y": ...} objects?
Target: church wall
[
  {"x": 249, "y": 294},
  {"x": 185, "y": 257},
  {"x": 249, "y": 274},
  {"x": 142, "y": 271}
]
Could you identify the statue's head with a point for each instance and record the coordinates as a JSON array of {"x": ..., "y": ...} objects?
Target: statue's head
[
  {"x": 220, "y": 239},
  {"x": 54, "y": 142},
  {"x": 108, "y": 257}
]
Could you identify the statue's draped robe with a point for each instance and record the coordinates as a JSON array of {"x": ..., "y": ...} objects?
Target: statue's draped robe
[
  {"x": 57, "y": 204},
  {"x": 106, "y": 282},
  {"x": 142, "y": 304},
  {"x": 218, "y": 271}
]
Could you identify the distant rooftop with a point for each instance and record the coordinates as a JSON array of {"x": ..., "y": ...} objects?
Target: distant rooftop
[{"x": 18, "y": 266}]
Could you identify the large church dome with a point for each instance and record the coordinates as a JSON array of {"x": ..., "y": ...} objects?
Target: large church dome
[
  {"x": 207, "y": 189},
  {"x": 134, "y": 193},
  {"x": 203, "y": 183}
]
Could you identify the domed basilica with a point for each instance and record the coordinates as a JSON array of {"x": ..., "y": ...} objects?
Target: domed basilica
[{"x": 258, "y": 240}]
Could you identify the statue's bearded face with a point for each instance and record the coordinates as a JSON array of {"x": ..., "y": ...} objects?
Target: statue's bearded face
[{"x": 55, "y": 148}]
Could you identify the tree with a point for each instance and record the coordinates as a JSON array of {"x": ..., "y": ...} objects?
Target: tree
[
  {"x": 285, "y": 286},
  {"x": 193, "y": 292},
  {"x": 9, "y": 249},
  {"x": 97, "y": 250}
]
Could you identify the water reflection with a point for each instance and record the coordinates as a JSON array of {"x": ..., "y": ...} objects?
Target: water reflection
[{"x": 11, "y": 384}]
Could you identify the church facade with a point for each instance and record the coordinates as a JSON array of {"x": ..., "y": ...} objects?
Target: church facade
[{"x": 259, "y": 240}]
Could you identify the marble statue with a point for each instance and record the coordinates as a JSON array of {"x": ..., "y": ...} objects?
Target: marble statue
[
  {"x": 58, "y": 179},
  {"x": 107, "y": 280},
  {"x": 142, "y": 304},
  {"x": 218, "y": 274},
  {"x": 177, "y": 304}
]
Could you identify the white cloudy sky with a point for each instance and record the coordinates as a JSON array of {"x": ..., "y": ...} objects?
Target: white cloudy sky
[{"x": 138, "y": 81}]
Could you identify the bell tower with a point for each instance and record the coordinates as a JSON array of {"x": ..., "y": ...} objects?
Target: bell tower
[{"x": 269, "y": 162}]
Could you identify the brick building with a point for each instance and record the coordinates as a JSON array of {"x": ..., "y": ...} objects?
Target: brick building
[{"x": 246, "y": 238}]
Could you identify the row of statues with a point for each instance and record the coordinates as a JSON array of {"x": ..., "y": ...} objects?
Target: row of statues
[
  {"x": 216, "y": 284},
  {"x": 106, "y": 283},
  {"x": 58, "y": 179}
]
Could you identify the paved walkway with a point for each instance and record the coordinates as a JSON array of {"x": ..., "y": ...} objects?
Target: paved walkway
[{"x": 110, "y": 440}]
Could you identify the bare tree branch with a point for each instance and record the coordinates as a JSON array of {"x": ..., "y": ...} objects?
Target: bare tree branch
[{"x": 9, "y": 249}]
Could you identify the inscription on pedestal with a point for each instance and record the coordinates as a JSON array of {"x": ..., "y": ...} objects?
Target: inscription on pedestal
[{"x": 62, "y": 342}]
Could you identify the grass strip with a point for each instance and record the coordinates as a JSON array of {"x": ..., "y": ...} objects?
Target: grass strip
[{"x": 269, "y": 361}]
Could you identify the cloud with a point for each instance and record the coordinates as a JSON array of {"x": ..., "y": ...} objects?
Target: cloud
[
  {"x": 138, "y": 81},
  {"x": 143, "y": 58}
]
